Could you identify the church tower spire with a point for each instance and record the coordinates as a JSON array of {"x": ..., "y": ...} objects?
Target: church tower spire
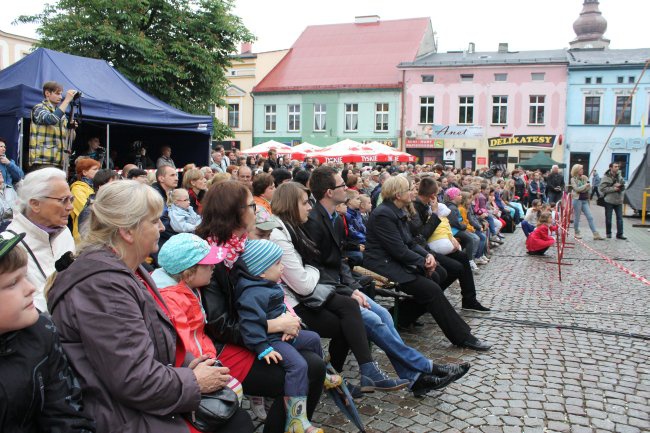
[{"x": 590, "y": 27}]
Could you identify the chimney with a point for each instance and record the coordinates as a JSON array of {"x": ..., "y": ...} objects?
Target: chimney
[
  {"x": 472, "y": 48},
  {"x": 503, "y": 47},
  {"x": 246, "y": 47},
  {"x": 366, "y": 19}
]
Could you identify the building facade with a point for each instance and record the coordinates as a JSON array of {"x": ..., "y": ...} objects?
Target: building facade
[
  {"x": 246, "y": 71},
  {"x": 476, "y": 109},
  {"x": 607, "y": 99},
  {"x": 340, "y": 81},
  {"x": 14, "y": 48}
]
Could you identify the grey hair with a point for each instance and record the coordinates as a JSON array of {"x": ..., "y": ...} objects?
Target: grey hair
[{"x": 38, "y": 184}]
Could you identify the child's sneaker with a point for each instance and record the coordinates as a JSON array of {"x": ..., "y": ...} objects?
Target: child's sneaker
[
  {"x": 485, "y": 258},
  {"x": 472, "y": 264},
  {"x": 332, "y": 380},
  {"x": 257, "y": 406}
]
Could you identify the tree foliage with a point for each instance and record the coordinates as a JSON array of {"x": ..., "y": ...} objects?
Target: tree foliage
[{"x": 176, "y": 50}]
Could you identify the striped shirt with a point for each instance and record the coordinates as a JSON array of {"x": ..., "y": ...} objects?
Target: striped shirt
[{"x": 47, "y": 135}]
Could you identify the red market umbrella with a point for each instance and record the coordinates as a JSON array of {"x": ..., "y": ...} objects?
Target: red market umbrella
[
  {"x": 303, "y": 150},
  {"x": 351, "y": 151},
  {"x": 263, "y": 149}
]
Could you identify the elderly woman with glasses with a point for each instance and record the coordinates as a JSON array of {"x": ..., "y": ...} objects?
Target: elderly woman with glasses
[{"x": 44, "y": 205}]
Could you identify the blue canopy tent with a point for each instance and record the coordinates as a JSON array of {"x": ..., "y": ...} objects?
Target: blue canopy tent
[{"x": 113, "y": 107}]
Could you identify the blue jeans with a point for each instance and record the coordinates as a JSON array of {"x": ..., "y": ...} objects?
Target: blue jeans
[
  {"x": 482, "y": 247},
  {"x": 582, "y": 206},
  {"x": 408, "y": 362}
]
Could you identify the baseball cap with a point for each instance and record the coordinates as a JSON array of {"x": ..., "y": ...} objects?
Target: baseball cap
[
  {"x": 184, "y": 250},
  {"x": 8, "y": 244},
  {"x": 265, "y": 221}
]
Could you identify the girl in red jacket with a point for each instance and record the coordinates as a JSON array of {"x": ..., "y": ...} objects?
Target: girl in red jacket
[{"x": 540, "y": 239}]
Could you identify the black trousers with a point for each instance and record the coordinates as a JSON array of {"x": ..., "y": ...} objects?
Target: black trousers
[
  {"x": 339, "y": 319},
  {"x": 240, "y": 422},
  {"x": 429, "y": 296},
  {"x": 456, "y": 265},
  {"x": 267, "y": 380}
]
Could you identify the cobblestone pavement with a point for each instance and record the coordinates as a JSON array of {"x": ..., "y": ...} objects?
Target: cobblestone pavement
[{"x": 570, "y": 356}]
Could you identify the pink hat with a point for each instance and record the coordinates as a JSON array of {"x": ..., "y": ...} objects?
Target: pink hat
[
  {"x": 452, "y": 193},
  {"x": 216, "y": 255}
]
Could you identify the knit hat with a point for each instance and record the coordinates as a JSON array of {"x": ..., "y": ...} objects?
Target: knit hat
[
  {"x": 260, "y": 254},
  {"x": 452, "y": 193},
  {"x": 184, "y": 250}
]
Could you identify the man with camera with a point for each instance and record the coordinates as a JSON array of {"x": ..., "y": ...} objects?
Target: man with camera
[
  {"x": 49, "y": 128},
  {"x": 97, "y": 152}
]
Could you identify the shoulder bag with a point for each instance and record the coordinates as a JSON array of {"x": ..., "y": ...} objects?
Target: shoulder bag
[
  {"x": 318, "y": 297},
  {"x": 214, "y": 410}
]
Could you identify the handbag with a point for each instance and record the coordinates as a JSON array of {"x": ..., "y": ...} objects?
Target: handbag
[
  {"x": 214, "y": 410},
  {"x": 583, "y": 196},
  {"x": 318, "y": 297},
  {"x": 600, "y": 201}
]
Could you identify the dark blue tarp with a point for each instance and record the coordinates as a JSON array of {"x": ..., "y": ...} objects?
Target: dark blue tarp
[{"x": 108, "y": 98}]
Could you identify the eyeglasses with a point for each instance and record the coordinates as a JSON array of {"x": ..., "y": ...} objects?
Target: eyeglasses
[
  {"x": 252, "y": 206},
  {"x": 343, "y": 185},
  {"x": 62, "y": 200}
]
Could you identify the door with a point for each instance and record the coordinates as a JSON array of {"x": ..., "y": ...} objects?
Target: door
[
  {"x": 498, "y": 159},
  {"x": 623, "y": 160},
  {"x": 580, "y": 158},
  {"x": 468, "y": 158}
]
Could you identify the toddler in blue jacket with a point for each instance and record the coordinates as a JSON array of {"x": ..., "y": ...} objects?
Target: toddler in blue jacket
[{"x": 260, "y": 298}]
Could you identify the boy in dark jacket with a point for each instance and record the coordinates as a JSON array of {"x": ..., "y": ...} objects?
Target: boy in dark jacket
[
  {"x": 39, "y": 391},
  {"x": 260, "y": 298}
]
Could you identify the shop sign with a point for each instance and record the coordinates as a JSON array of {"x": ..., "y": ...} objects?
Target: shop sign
[
  {"x": 424, "y": 143},
  {"x": 450, "y": 131},
  {"x": 630, "y": 144},
  {"x": 481, "y": 160},
  {"x": 386, "y": 142},
  {"x": 523, "y": 140},
  {"x": 450, "y": 155}
]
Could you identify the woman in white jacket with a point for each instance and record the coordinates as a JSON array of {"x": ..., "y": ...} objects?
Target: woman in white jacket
[
  {"x": 44, "y": 204},
  {"x": 341, "y": 318}
]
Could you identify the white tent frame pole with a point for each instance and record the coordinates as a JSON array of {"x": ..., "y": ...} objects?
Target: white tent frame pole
[{"x": 108, "y": 145}]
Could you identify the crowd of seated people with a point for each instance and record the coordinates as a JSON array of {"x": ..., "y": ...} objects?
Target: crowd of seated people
[{"x": 160, "y": 295}]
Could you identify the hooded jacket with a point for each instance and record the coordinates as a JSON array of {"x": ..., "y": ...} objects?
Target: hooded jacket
[
  {"x": 122, "y": 346},
  {"x": 611, "y": 194},
  {"x": 38, "y": 390}
]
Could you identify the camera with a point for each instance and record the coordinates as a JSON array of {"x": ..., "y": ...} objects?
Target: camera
[{"x": 77, "y": 96}]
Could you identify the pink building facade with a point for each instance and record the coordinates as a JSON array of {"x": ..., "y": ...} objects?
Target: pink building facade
[{"x": 485, "y": 109}]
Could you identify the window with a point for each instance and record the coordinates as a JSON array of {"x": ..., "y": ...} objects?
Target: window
[
  {"x": 620, "y": 80},
  {"x": 381, "y": 117},
  {"x": 294, "y": 117},
  {"x": 427, "y": 78},
  {"x": 466, "y": 77},
  {"x": 269, "y": 118},
  {"x": 499, "y": 110},
  {"x": 320, "y": 115},
  {"x": 536, "y": 113},
  {"x": 466, "y": 110},
  {"x": 599, "y": 80},
  {"x": 233, "y": 115},
  {"x": 537, "y": 76},
  {"x": 623, "y": 117},
  {"x": 587, "y": 80},
  {"x": 351, "y": 117},
  {"x": 631, "y": 80},
  {"x": 592, "y": 110},
  {"x": 500, "y": 77},
  {"x": 426, "y": 109}
]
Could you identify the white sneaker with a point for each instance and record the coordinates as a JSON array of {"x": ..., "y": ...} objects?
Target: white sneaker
[
  {"x": 485, "y": 258},
  {"x": 472, "y": 265},
  {"x": 480, "y": 261}
]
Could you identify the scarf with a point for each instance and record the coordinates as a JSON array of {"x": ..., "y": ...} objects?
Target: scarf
[
  {"x": 234, "y": 246},
  {"x": 87, "y": 181}
]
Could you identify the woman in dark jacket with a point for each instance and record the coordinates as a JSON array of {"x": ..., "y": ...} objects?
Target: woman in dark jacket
[
  {"x": 392, "y": 252},
  {"x": 116, "y": 329},
  {"x": 228, "y": 215}
]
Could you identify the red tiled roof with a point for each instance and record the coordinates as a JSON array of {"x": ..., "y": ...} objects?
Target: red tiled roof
[{"x": 353, "y": 56}]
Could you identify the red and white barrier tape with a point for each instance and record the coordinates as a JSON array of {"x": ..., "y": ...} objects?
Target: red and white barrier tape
[{"x": 612, "y": 262}]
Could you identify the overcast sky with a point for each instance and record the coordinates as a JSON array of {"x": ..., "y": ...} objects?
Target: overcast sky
[{"x": 524, "y": 24}]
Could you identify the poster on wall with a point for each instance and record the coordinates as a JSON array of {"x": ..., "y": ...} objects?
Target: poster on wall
[{"x": 449, "y": 155}]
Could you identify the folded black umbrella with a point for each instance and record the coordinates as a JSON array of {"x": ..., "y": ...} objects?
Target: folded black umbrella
[{"x": 343, "y": 399}]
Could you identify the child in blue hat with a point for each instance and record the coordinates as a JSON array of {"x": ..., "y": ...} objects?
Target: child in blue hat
[{"x": 260, "y": 298}]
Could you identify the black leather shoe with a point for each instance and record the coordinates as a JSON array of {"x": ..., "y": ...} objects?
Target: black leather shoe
[
  {"x": 475, "y": 306},
  {"x": 609, "y": 235},
  {"x": 428, "y": 382},
  {"x": 621, "y": 237},
  {"x": 456, "y": 371},
  {"x": 476, "y": 344}
]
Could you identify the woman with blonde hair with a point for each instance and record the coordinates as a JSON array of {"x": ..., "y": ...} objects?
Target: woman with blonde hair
[
  {"x": 116, "y": 330},
  {"x": 196, "y": 185},
  {"x": 580, "y": 189}
]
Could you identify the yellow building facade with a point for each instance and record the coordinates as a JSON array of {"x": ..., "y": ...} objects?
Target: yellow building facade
[
  {"x": 246, "y": 71},
  {"x": 14, "y": 48}
]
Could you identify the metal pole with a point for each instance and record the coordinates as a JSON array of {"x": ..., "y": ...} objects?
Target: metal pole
[
  {"x": 108, "y": 145},
  {"x": 20, "y": 142}
]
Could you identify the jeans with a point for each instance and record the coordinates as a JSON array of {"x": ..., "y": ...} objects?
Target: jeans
[
  {"x": 408, "y": 362},
  {"x": 482, "y": 246},
  {"x": 583, "y": 206},
  {"x": 519, "y": 208},
  {"x": 618, "y": 208}
]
